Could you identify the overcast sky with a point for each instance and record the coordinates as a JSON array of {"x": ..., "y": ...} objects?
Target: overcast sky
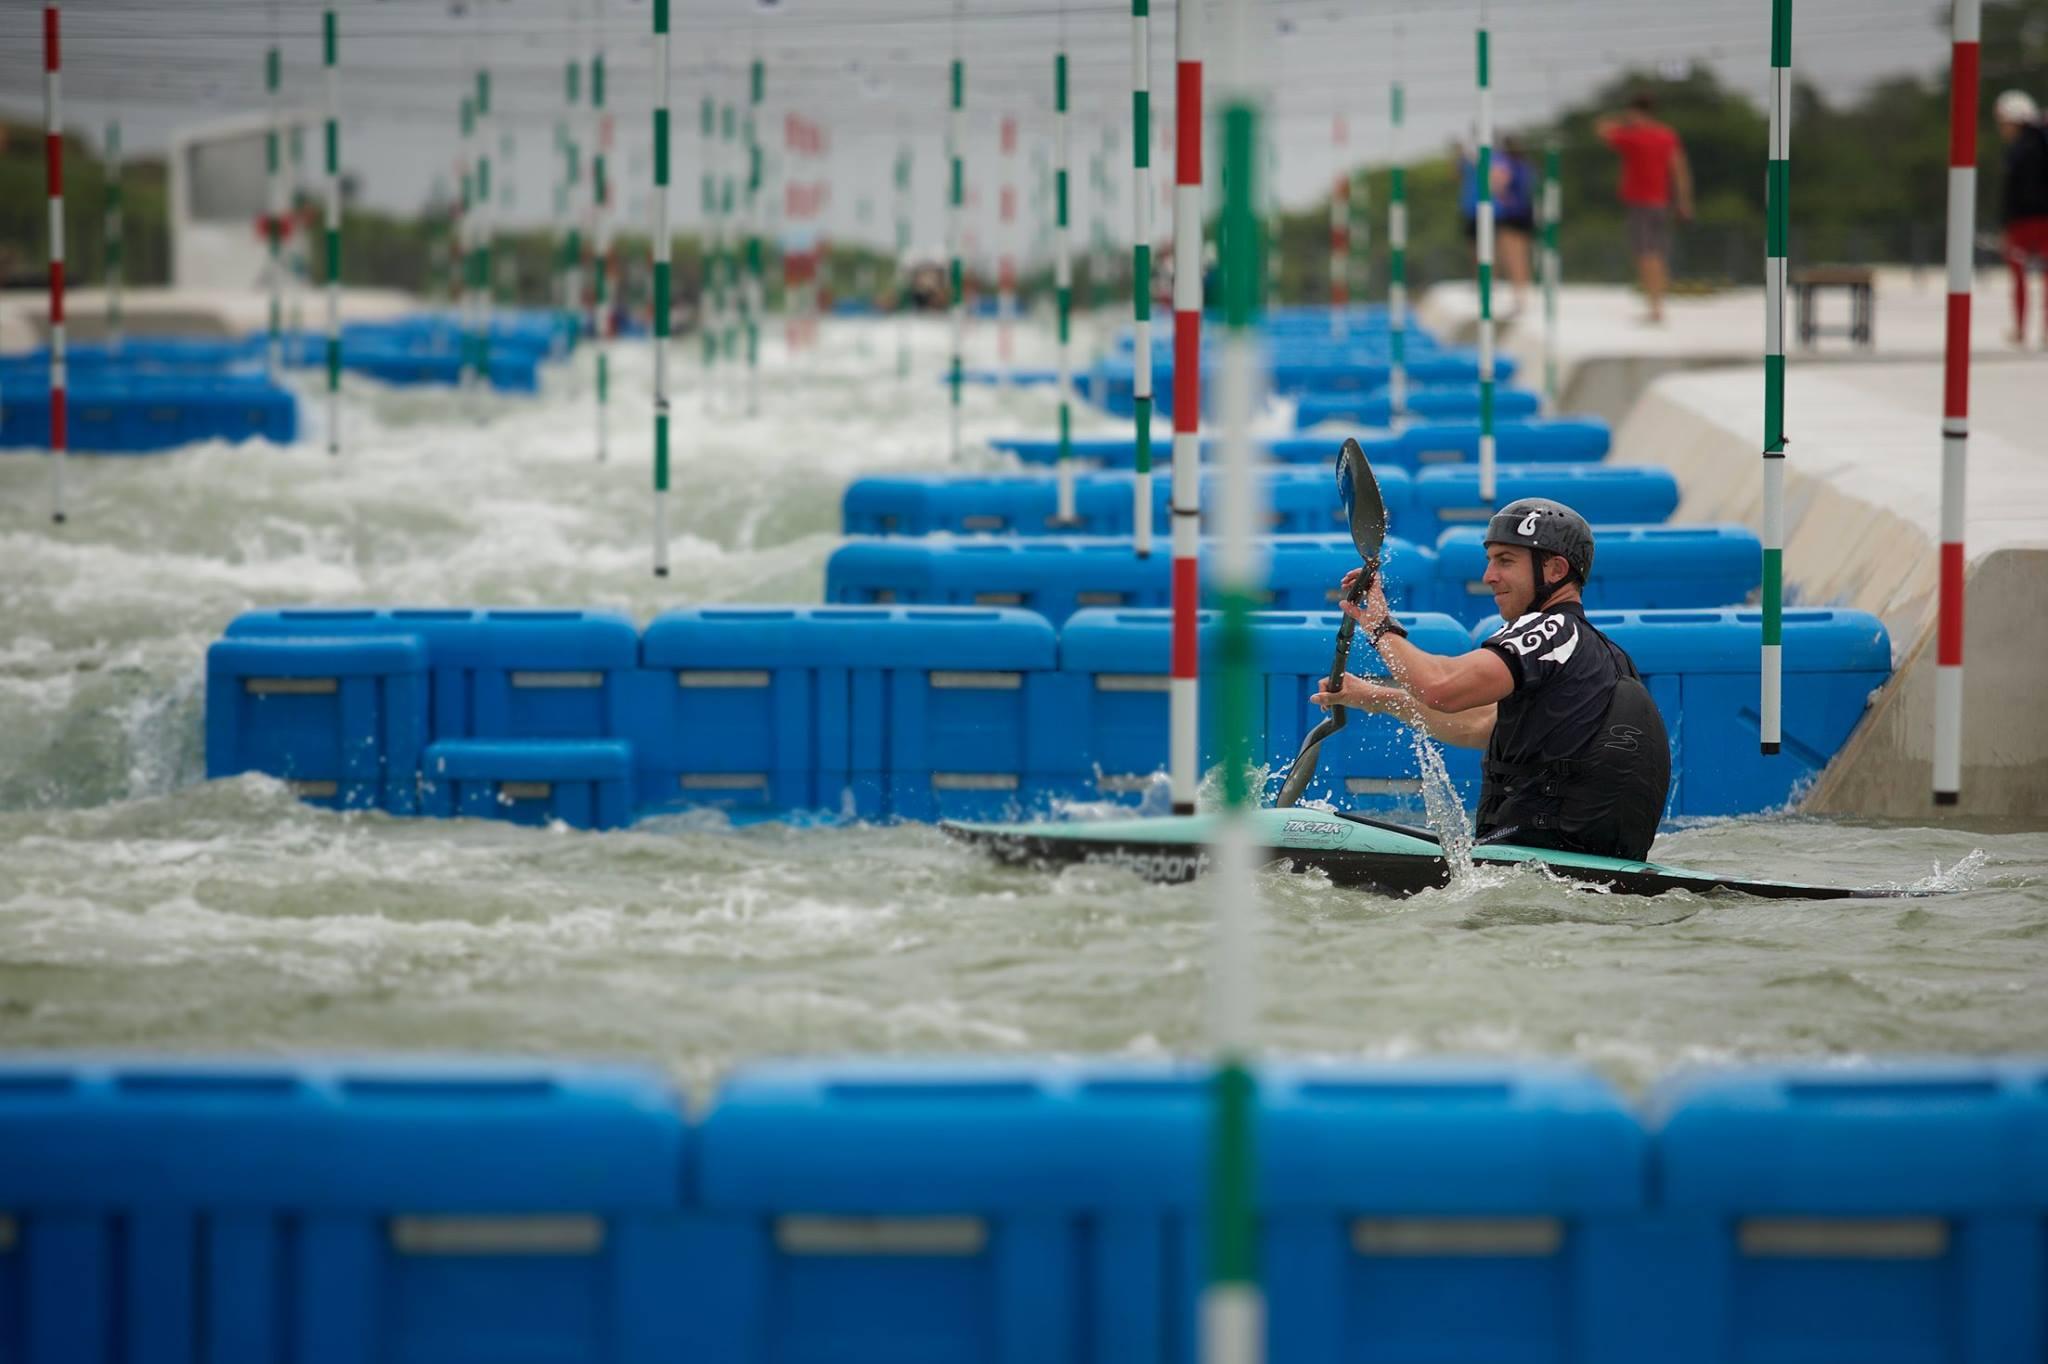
[{"x": 873, "y": 73}]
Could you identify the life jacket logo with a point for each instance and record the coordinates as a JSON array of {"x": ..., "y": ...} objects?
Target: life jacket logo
[{"x": 1623, "y": 738}]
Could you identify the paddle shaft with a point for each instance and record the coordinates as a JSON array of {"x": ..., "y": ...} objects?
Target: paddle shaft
[{"x": 1305, "y": 761}]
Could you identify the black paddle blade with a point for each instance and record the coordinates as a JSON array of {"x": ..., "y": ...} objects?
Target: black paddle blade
[{"x": 1365, "y": 512}]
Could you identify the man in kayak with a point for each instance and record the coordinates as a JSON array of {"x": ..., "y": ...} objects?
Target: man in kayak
[{"x": 1576, "y": 755}]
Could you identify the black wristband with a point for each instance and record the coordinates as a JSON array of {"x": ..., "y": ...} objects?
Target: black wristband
[{"x": 1388, "y": 626}]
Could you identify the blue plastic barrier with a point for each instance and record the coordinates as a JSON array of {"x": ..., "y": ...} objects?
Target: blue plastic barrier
[
  {"x": 971, "y": 1211},
  {"x": 1634, "y": 568},
  {"x": 1702, "y": 670},
  {"x": 1450, "y": 402},
  {"x": 540, "y": 676},
  {"x": 1021, "y": 377},
  {"x": 1121, "y": 451},
  {"x": 1361, "y": 368},
  {"x": 1056, "y": 576},
  {"x": 586, "y": 784},
  {"x": 324, "y": 1213},
  {"x": 913, "y": 713},
  {"x": 343, "y": 720},
  {"x": 1819, "y": 1213},
  {"x": 1302, "y": 500},
  {"x": 1422, "y": 445},
  {"x": 122, "y": 412},
  {"x": 1117, "y": 661},
  {"x": 1605, "y": 494}
]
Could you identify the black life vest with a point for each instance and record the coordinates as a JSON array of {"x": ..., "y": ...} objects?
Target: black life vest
[{"x": 1607, "y": 799}]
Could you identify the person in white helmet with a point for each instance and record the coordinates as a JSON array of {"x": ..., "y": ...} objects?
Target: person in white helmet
[{"x": 2023, "y": 201}]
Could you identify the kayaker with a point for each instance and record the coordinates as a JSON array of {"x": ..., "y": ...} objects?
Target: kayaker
[{"x": 1576, "y": 754}]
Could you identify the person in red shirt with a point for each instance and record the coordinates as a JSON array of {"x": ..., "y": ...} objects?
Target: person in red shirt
[{"x": 1655, "y": 180}]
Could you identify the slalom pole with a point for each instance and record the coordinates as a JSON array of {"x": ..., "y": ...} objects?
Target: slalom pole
[
  {"x": 273, "y": 224},
  {"x": 1361, "y": 234},
  {"x": 1063, "y": 273},
  {"x": 330, "y": 55},
  {"x": 559, "y": 236},
  {"x": 1955, "y": 417},
  {"x": 661, "y": 287},
  {"x": 466, "y": 370},
  {"x": 956, "y": 135},
  {"x": 570, "y": 265},
  {"x": 1184, "y": 695},
  {"x": 1233, "y": 1305},
  {"x": 1141, "y": 270},
  {"x": 1006, "y": 268},
  {"x": 1484, "y": 224},
  {"x": 486, "y": 290},
  {"x": 1340, "y": 231},
  {"x": 1553, "y": 264},
  {"x": 728, "y": 253},
  {"x": 903, "y": 301},
  {"x": 1777, "y": 186},
  {"x": 710, "y": 302},
  {"x": 113, "y": 246},
  {"x": 600, "y": 234},
  {"x": 53, "y": 171},
  {"x": 1397, "y": 249},
  {"x": 302, "y": 256},
  {"x": 753, "y": 300}
]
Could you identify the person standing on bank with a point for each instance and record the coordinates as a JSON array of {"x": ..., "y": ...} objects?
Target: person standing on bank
[
  {"x": 2023, "y": 202},
  {"x": 1655, "y": 180},
  {"x": 1576, "y": 753}
]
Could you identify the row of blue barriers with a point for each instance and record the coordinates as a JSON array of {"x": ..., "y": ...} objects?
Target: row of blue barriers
[
  {"x": 114, "y": 412},
  {"x": 917, "y": 713},
  {"x": 856, "y": 1212},
  {"x": 1421, "y": 445},
  {"x": 1357, "y": 368},
  {"x": 1454, "y": 402},
  {"x": 1636, "y": 568},
  {"x": 1301, "y": 499}
]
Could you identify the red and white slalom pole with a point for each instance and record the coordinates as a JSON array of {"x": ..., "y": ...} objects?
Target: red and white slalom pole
[
  {"x": 1183, "y": 697},
  {"x": 1340, "y": 230},
  {"x": 1955, "y": 407},
  {"x": 1006, "y": 266},
  {"x": 53, "y": 161}
]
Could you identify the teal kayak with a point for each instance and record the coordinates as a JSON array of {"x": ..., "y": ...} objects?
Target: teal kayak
[{"x": 1352, "y": 850}]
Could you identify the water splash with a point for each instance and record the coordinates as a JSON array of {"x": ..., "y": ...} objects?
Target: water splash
[
  {"x": 1966, "y": 872},
  {"x": 1446, "y": 810}
]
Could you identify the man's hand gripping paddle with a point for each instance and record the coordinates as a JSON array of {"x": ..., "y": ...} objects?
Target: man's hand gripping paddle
[{"x": 1359, "y": 492}]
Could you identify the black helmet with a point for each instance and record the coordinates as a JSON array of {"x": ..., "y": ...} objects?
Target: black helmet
[{"x": 1549, "y": 528}]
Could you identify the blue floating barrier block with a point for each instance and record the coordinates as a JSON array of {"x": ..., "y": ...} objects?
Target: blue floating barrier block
[
  {"x": 134, "y": 411},
  {"x": 1425, "y": 445},
  {"x": 1302, "y": 501},
  {"x": 970, "y": 1210},
  {"x": 1056, "y": 576},
  {"x": 1121, "y": 452},
  {"x": 1605, "y": 494},
  {"x": 1876, "y": 1213},
  {"x": 372, "y": 1210},
  {"x": 583, "y": 783},
  {"x": 1118, "y": 661},
  {"x": 1395, "y": 1197},
  {"x": 500, "y": 673},
  {"x": 1634, "y": 568},
  {"x": 343, "y": 720},
  {"x": 1454, "y": 402},
  {"x": 1833, "y": 661},
  {"x": 906, "y": 712},
  {"x": 1021, "y": 377}
]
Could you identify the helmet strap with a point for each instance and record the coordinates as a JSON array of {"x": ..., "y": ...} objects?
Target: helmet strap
[{"x": 1544, "y": 591}]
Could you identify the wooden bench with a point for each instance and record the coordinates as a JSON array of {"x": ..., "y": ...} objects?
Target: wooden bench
[{"x": 1857, "y": 279}]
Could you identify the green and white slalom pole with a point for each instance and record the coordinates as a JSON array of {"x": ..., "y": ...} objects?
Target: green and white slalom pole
[
  {"x": 466, "y": 229},
  {"x": 302, "y": 254},
  {"x": 1553, "y": 265},
  {"x": 330, "y": 55},
  {"x": 1063, "y": 275},
  {"x": 903, "y": 302},
  {"x": 1233, "y": 1305},
  {"x": 661, "y": 287},
  {"x": 1183, "y": 687},
  {"x": 273, "y": 185},
  {"x": 600, "y": 235},
  {"x": 1484, "y": 223},
  {"x": 484, "y": 268},
  {"x": 113, "y": 234},
  {"x": 710, "y": 304},
  {"x": 1777, "y": 191},
  {"x": 1141, "y": 270},
  {"x": 728, "y": 255},
  {"x": 1397, "y": 251},
  {"x": 956, "y": 137},
  {"x": 570, "y": 266},
  {"x": 754, "y": 297}
]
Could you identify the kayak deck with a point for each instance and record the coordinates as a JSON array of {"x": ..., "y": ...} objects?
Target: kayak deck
[{"x": 1351, "y": 850}]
